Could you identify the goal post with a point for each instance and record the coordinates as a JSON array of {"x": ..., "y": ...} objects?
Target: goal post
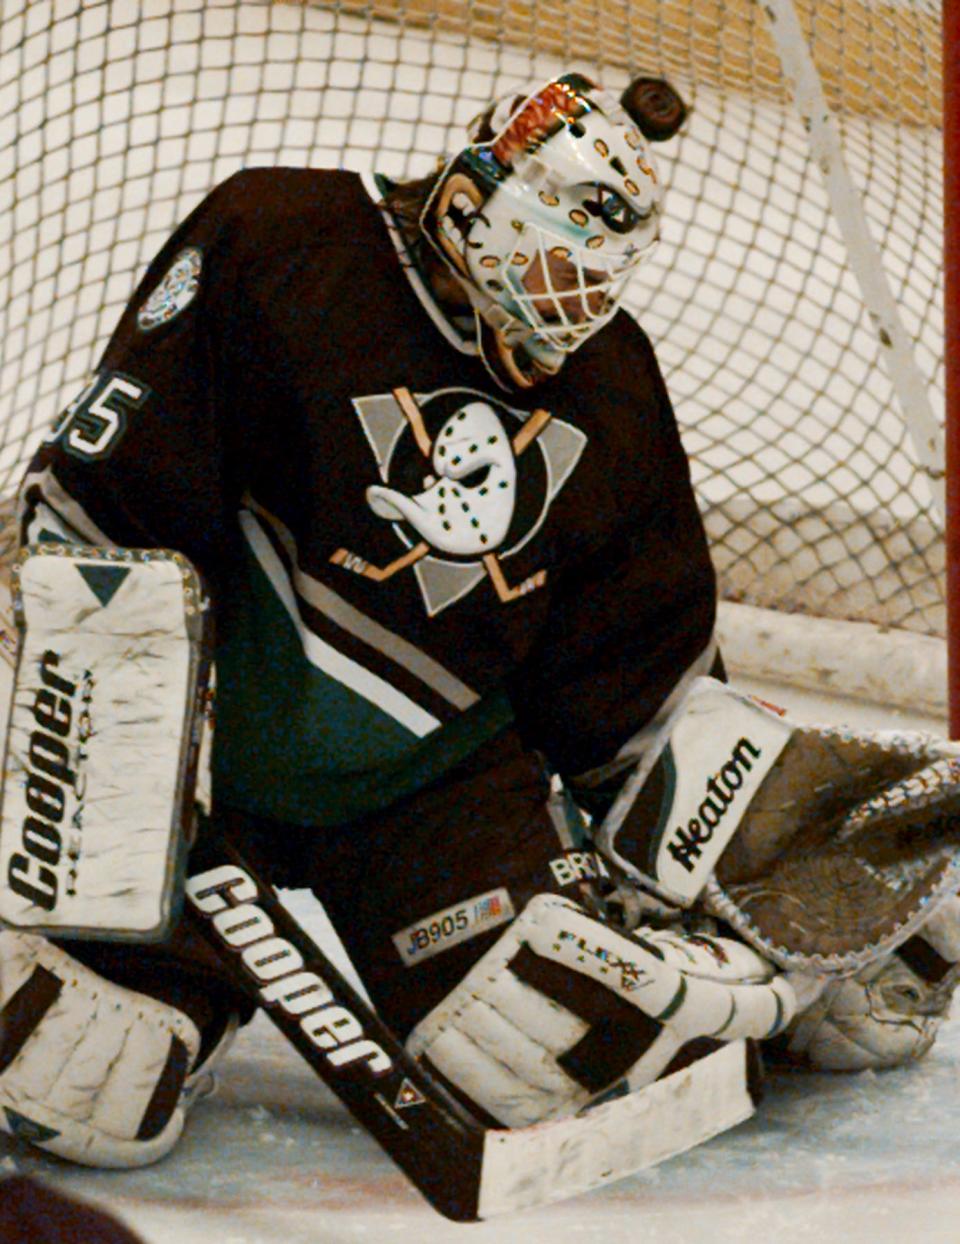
[
  {"x": 951, "y": 189},
  {"x": 817, "y": 467}
]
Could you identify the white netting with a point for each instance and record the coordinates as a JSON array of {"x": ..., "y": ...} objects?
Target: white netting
[{"x": 116, "y": 118}]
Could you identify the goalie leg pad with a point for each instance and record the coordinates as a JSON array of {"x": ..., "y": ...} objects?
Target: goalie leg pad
[
  {"x": 89, "y": 1070},
  {"x": 888, "y": 1013},
  {"x": 563, "y": 1008}
]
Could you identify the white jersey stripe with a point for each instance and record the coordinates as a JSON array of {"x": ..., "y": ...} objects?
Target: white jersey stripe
[
  {"x": 412, "y": 659},
  {"x": 323, "y": 655}
]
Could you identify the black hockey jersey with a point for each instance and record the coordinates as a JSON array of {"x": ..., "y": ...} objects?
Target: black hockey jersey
[{"x": 403, "y": 557}]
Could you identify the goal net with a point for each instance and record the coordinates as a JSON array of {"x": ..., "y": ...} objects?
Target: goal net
[{"x": 802, "y": 213}]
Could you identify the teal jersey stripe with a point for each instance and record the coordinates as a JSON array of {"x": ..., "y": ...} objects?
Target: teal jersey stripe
[
  {"x": 378, "y": 691},
  {"x": 295, "y": 743},
  {"x": 322, "y": 598}
]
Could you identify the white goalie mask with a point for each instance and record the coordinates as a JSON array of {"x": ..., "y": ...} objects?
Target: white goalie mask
[{"x": 545, "y": 222}]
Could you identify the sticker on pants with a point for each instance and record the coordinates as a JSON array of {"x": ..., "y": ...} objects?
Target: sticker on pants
[{"x": 453, "y": 925}]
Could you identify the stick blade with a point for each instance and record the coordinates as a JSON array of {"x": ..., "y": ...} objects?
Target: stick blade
[{"x": 547, "y": 1162}]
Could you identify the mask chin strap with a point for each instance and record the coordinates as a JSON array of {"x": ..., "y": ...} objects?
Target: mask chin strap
[
  {"x": 513, "y": 367},
  {"x": 510, "y": 365}
]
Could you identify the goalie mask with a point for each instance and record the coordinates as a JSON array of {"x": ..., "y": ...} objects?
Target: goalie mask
[{"x": 545, "y": 220}]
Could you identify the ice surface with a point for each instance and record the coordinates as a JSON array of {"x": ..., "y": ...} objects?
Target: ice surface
[{"x": 274, "y": 1157}]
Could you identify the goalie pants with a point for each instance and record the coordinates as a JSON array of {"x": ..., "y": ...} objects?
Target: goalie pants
[{"x": 484, "y": 827}]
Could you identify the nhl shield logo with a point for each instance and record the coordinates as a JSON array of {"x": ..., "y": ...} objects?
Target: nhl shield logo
[
  {"x": 466, "y": 482},
  {"x": 174, "y": 293}
]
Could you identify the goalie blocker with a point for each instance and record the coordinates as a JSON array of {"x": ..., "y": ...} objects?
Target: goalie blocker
[{"x": 102, "y": 741}]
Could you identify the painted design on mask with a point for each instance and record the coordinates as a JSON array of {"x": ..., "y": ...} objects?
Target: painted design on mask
[
  {"x": 543, "y": 115},
  {"x": 566, "y": 168}
]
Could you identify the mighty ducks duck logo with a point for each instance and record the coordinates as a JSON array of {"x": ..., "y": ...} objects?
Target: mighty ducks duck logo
[{"x": 467, "y": 483}]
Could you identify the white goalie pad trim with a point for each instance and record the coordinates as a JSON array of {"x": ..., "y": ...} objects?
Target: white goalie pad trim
[
  {"x": 101, "y": 741},
  {"x": 679, "y": 810}
]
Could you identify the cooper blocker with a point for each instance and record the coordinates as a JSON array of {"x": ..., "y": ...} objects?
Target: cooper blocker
[
  {"x": 111, "y": 663},
  {"x": 395, "y": 458}
]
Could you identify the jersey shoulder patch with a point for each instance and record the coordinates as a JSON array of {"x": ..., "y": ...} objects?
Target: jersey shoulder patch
[{"x": 175, "y": 293}]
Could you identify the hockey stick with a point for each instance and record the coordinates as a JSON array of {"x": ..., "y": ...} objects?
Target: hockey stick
[
  {"x": 465, "y": 1170},
  {"x": 272, "y": 959}
]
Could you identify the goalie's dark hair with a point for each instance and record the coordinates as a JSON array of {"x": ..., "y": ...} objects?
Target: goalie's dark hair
[{"x": 406, "y": 200}]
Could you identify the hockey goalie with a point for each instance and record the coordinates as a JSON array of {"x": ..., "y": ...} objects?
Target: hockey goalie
[{"x": 393, "y": 459}]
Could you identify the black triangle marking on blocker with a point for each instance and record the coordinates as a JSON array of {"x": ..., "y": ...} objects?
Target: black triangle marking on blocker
[
  {"x": 104, "y": 581},
  {"x": 28, "y": 1129},
  {"x": 409, "y": 1095}
]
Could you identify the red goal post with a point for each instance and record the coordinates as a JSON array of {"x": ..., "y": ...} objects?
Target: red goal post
[
  {"x": 796, "y": 301},
  {"x": 951, "y": 198}
]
